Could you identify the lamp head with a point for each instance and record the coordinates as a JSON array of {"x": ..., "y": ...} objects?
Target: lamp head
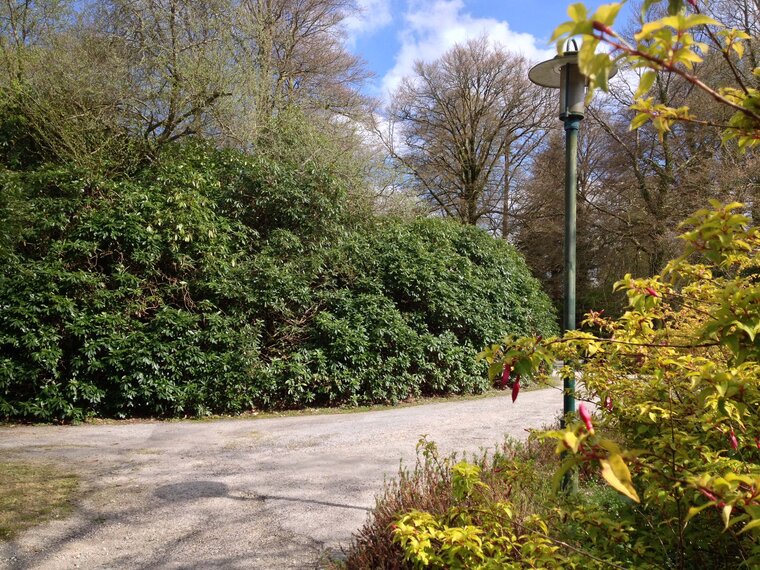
[{"x": 562, "y": 72}]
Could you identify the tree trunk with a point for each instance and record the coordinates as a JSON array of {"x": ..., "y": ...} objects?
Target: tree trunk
[{"x": 505, "y": 198}]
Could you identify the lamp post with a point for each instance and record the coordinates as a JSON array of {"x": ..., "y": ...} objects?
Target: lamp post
[{"x": 562, "y": 72}]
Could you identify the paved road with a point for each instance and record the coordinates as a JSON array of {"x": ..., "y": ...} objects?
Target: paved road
[{"x": 269, "y": 493}]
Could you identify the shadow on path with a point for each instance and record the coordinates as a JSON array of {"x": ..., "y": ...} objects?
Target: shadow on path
[{"x": 192, "y": 490}]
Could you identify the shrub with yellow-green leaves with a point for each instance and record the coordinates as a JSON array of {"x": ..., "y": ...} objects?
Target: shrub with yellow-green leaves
[
  {"x": 475, "y": 532},
  {"x": 676, "y": 381}
]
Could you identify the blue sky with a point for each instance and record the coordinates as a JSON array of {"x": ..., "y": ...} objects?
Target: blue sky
[{"x": 391, "y": 34}]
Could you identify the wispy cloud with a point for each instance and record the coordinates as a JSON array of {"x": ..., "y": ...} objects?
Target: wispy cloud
[
  {"x": 431, "y": 27},
  {"x": 370, "y": 16}
]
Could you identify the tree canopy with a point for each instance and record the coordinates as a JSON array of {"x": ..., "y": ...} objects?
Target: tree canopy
[{"x": 466, "y": 123}]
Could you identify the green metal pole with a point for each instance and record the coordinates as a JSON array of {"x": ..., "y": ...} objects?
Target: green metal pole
[{"x": 572, "y": 126}]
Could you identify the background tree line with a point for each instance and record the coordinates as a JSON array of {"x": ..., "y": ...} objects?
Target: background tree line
[{"x": 481, "y": 144}]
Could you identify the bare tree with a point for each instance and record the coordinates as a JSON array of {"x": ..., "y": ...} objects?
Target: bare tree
[
  {"x": 231, "y": 71},
  {"x": 296, "y": 50},
  {"x": 608, "y": 216},
  {"x": 466, "y": 125},
  {"x": 175, "y": 52},
  {"x": 24, "y": 23}
]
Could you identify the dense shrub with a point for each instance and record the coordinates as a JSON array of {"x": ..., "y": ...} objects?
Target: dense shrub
[
  {"x": 459, "y": 279},
  {"x": 214, "y": 281},
  {"x": 104, "y": 306}
]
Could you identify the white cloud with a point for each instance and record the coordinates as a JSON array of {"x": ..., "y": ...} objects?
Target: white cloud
[
  {"x": 371, "y": 15},
  {"x": 431, "y": 27}
]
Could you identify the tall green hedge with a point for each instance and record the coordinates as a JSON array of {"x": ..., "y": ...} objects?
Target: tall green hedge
[{"x": 213, "y": 281}]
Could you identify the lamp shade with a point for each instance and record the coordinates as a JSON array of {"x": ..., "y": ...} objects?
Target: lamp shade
[
  {"x": 548, "y": 73},
  {"x": 562, "y": 72}
]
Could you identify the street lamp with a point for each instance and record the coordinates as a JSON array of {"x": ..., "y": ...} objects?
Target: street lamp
[{"x": 562, "y": 72}]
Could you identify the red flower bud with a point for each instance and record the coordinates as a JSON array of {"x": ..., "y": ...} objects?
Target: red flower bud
[
  {"x": 692, "y": 3},
  {"x": 757, "y": 442},
  {"x": 652, "y": 292},
  {"x": 586, "y": 417},
  {"x": 608, "y": 403},
  {"x": 732, "y": 439},
  {"x": 708, "y": 494},
  {"x": 505, "y": 375},
  {"x": 516, "y": 389}
]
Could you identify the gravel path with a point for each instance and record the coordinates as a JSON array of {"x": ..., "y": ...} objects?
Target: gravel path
[{"x": 269, "y": 493}]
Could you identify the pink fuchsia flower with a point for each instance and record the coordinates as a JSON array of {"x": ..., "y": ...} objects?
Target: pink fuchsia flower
[
  {"x": 608, "y": 403},
  {"x": 732, "y": 439},
  {"x": 586, "y": 417},
  {"x": 652, "y": 292},
  {"x": 505, "y": 375},
  {"x": 515, "y": 389}
]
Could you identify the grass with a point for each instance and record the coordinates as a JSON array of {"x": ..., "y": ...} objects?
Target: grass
[{"x": 31, "y": 494}]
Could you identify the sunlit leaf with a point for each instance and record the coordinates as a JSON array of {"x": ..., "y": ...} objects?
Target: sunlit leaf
[
  {"x": 617, "y": 475},
  {"x": 698, "y": 20},
  {"x": 606, "y": 13},
  {"x": 645, "y": 84}
]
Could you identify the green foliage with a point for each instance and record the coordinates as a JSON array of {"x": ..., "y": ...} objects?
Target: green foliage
[
  {"x": 476, "y": 532},
  {"x": 18, "y": 149},
  {"x": 462, "y": 281},
  {"x": 214, "y": 281},
  {"x": 389, "y": 318},
  {"x": 104, "y": 307},
  {"x": 452, "y": 541},
  {"x": 457, "y": 514},
  {"x": 492, "y": 511}
]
